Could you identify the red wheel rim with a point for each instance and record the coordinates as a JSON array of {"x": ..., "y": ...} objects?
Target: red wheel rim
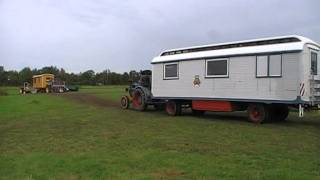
[
  {"x": 137, "y": 99},
  {"x": 170, "y": 107},
  {"x": 255, "y": 114}
]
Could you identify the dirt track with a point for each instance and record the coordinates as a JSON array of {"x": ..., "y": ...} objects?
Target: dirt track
[{"x": 85, "y": 98}]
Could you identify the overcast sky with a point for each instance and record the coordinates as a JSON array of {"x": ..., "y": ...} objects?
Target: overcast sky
[{"x": 120, "y": 35}]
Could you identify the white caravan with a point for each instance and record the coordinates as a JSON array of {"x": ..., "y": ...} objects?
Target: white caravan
[{"x": 262, "y": 76}]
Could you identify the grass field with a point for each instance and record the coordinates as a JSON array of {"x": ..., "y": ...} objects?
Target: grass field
[{"x": 52, "y": 137}]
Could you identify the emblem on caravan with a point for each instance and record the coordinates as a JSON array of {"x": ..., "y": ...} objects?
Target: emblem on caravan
[{"x": 196, "y": 81}]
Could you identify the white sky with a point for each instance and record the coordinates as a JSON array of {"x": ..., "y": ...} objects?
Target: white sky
[{"x": 79, "y": 35}]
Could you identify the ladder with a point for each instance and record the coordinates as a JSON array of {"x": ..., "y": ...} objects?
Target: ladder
[{"x": 315, "y": 89}]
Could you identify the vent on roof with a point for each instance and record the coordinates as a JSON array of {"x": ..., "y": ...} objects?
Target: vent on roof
[{"x": 232, "y": 45}]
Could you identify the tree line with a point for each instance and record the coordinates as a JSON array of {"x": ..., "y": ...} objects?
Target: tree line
[{"x": 106, "y": 77}]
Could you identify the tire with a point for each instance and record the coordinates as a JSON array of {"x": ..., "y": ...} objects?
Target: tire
[
  {"x": 173, "y": 108},
  {"x": 279, "y": 112},
  {"x": 124, "y": 102},
  {"x": 258, "y": 113},
  {"x": 138, "y": 100},
  {"x": 198, "y": 112}
]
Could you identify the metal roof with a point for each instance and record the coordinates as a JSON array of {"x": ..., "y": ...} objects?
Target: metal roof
[
  {"x": 254, "y": 46},
  {"x": 41, "y": 75}
]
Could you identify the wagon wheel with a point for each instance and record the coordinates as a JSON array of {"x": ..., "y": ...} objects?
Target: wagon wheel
[
  {"x": 258, "y": 113},
  {"x": 173, "y": 108},
  {"x": 138, "y": 100},
  {"x": 124, "y": 102}
]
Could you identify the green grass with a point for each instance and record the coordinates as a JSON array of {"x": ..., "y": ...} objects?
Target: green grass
[
  {"x": 49, "y": 137},
  {"x": 112, "y": 93}
]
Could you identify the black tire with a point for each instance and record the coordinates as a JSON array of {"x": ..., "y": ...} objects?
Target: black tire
[
  {"x": 279, "y": 112},
  {"x": 173, "y": 108},
  {"x": 124, "y": 102},
  {"x": 198, "y": 112},
  {"x": 138, "y": 100},
  {"x": 258, "y": 113}
]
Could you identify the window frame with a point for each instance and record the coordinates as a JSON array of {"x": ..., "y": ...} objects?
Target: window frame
[
  {"x": 164, "y": 71},
  {"x": 311, "y": 71},
  {"x": 216, "y": 76},
  {"x": 268, "y": 66}
]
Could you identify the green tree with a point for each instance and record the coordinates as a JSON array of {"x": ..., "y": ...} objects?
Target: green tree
[
  {"x": 25, "y": 75},
  {"x": 87, "y": 78},
  {"x": 13, "y": 78},
  {"x": 3, "y": 77}
]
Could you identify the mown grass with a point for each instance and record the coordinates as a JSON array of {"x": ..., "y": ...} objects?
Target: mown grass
[
  {"x": 113, "y": 93},
  {"x": 43, "y": 137}
]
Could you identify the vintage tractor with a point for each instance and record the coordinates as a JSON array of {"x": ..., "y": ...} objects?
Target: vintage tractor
[
  {"x": 139, "y": 94},
  {"x": 27, "y": 88}
]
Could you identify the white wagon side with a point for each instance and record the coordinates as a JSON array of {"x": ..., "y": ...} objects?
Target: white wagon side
[{"x": 263, "y": 75}]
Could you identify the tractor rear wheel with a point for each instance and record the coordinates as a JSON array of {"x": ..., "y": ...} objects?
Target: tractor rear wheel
[
  {"x": 138, "y": 100},
  {"x": 173, "y": 108},
  {"x": 258, "y": 113},
  {"x": 124, "y": 102}
]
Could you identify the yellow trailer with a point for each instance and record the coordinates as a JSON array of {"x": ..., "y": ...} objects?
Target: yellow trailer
[
  {"x": 41, "y": 82},
  {"x": 44, "y": 83}
]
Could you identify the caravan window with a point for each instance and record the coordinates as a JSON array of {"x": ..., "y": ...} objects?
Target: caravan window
[
  {"x": 171, "y": 71},
  {"x": 262, "y": 66},
  {"x": 275, "y": 65},
  {"x": 269, "y": 66},
  {"x": 314, "y": 63},
  {"x": 217, "y": 68}
]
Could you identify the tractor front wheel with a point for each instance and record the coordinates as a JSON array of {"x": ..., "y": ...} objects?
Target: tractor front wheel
[
  {"x": 124, "y": 102},
  {"x": 173, "y": 108}
]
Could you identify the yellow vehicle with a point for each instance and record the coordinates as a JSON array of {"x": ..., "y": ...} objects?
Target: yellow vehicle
[{"x": 42, "y": 82}]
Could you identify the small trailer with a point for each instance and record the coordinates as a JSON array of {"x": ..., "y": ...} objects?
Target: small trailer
[{"x": 263, "y": 76}]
